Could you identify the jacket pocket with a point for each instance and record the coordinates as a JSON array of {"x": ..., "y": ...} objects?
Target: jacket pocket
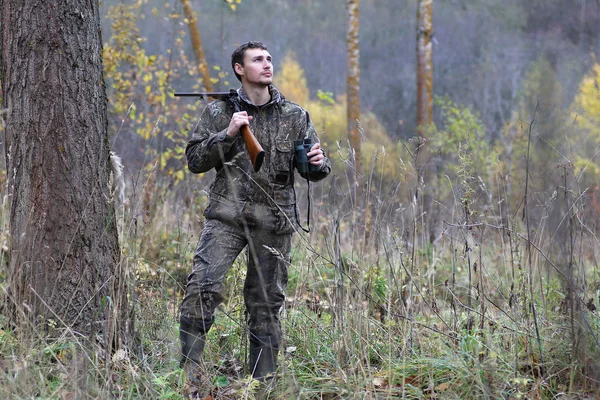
[
  {"x": 281, "y": 159},
  {"x": 224, "y": 209},
  {"x": 283, "y": 195}
]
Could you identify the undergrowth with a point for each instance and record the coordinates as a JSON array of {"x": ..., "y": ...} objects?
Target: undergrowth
[{"x": 492, "y": 307}]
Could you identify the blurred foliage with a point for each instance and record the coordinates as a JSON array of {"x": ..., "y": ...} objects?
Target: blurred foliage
[
  {"x": 233, "y": 4},
  {"x": 459, "y": 149},
  {"x": 330, "y": 119},
  {"x": 586, "y": 114},
  {"x": 540, "y": 112},
  {"x": 291, "y": 80},
  {"x": 540, "y": 88},
  {"x": 139, "y": 88},
  {"x": 461, "y": 126}
]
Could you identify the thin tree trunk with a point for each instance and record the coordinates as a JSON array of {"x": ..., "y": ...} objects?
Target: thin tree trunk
[
  {"x": 424, "y": 63},
  {"x": 424, "y": 70},
  {"x": 424, "y": 109},
  {"x": 197, "y": 45},
  {"x": 353, "y": 114},
  {"x": 64, "y": 260},
  {"x": 353, "y": 80}
]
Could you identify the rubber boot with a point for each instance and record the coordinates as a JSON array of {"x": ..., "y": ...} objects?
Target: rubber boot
[
  {"x": 193, "y": 339},
  {"x": 263, "y": 362},
  {"x": 263, "y": 365}
]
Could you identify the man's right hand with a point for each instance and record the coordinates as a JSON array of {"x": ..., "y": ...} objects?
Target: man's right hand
[{"x": 238, "y": 120}]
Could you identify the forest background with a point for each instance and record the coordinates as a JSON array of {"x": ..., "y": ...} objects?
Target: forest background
[{"x": 472, "y": 276}]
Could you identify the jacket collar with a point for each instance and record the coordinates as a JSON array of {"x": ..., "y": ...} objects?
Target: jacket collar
[{"x": 276, "y": 97}]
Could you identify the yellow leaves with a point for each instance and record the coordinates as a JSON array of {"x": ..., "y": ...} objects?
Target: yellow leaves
[
  {"x": 221, "y": 76},
  {"x": 233, "y": 3},
  {"x": 587, "y": 102},
  {"x": 135, "y": 77},
  {"x": 179, "y": 175},
  {"x": 586, "y": 114},
  {"x": 330, "y": 119},
  {"x": 131, "y": 111},
  {"x": 291, "y": 80}
]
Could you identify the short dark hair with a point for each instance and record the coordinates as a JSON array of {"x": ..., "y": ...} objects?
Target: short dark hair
[{"x": 237, "y": 57}]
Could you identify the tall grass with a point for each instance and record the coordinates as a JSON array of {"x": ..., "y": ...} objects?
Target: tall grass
[{"x": 500, "y": 305}]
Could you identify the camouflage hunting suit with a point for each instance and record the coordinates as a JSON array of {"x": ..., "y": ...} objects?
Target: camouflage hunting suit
[{"x": 249, "y": 209}]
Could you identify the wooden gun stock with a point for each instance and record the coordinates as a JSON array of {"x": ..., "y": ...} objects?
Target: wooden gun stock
[{"x": 255, "y": 150}]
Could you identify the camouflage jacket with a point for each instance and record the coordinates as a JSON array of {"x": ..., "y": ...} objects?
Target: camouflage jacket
[{"x": 238, "y": 195}]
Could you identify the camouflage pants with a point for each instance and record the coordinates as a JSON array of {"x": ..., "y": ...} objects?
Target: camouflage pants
[{"x": 266, "y": 277}]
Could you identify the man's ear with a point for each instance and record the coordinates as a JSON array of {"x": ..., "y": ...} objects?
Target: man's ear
[{"x": 239, "y": 69}]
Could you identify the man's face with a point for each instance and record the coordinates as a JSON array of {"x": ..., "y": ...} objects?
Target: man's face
[{"x": 257, "y": 68}]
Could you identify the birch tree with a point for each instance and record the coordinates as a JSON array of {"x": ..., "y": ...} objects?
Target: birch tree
[
  {"x": 424, "y": 72},
  {"x": 353, "y": 80}
]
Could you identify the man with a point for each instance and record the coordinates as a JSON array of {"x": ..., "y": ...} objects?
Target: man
[{"x": 249, "y": 209}]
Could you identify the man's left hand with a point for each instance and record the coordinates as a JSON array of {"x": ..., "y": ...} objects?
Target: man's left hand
[{"x": 316, "y": 155}]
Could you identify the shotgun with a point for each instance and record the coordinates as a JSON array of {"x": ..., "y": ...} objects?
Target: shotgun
[{"x": 255, "y": 150}]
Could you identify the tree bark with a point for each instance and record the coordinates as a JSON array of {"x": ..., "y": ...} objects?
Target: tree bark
[
  {"x": 64, "y": 258},
  {"x": 424, "y": 78},
  {"x": 197, "y": 45},
  {"x": 424, "y": 64},
  {"x": 424, "y": 110},
  {"x": 353, "y": 80}
]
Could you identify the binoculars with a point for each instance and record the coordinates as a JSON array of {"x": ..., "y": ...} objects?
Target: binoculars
[{"x": 301, "y": 148}]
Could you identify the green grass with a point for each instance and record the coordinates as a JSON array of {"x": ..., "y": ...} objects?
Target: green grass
[
  {"x": 322, "y": 357},
  {"x": 377, "y": 322}
]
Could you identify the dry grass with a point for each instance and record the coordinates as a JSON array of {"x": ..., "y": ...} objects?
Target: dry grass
[{"x": 493, "y": 308}]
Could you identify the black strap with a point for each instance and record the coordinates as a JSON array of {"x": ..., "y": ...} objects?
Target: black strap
[{"x": 307, "y": 229}]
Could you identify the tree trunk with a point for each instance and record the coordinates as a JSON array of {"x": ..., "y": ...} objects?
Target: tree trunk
[
  {"x": 353, "y": 80},
  {"x": 197, "y": 45},
  {"x": 64, "y": 259},
  {"x": 424, "y": 112},
  {"x": 424, "y": 68}
]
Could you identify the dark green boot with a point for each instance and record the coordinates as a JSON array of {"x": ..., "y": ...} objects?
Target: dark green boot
[
  {"x": 263, "y": 365},
  {"x": 263, "y": 360},
  {"x": 192, "y": 335}
]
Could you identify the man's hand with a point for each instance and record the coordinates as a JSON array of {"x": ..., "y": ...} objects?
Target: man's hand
[
  {"x": 238, "y": 120},
  {"x": 316, "y": 155}
]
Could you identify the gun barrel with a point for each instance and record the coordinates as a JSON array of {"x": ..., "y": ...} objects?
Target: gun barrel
[
  {"x": 216, "y": 95},
  {"x": 188, "y": 94}
]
